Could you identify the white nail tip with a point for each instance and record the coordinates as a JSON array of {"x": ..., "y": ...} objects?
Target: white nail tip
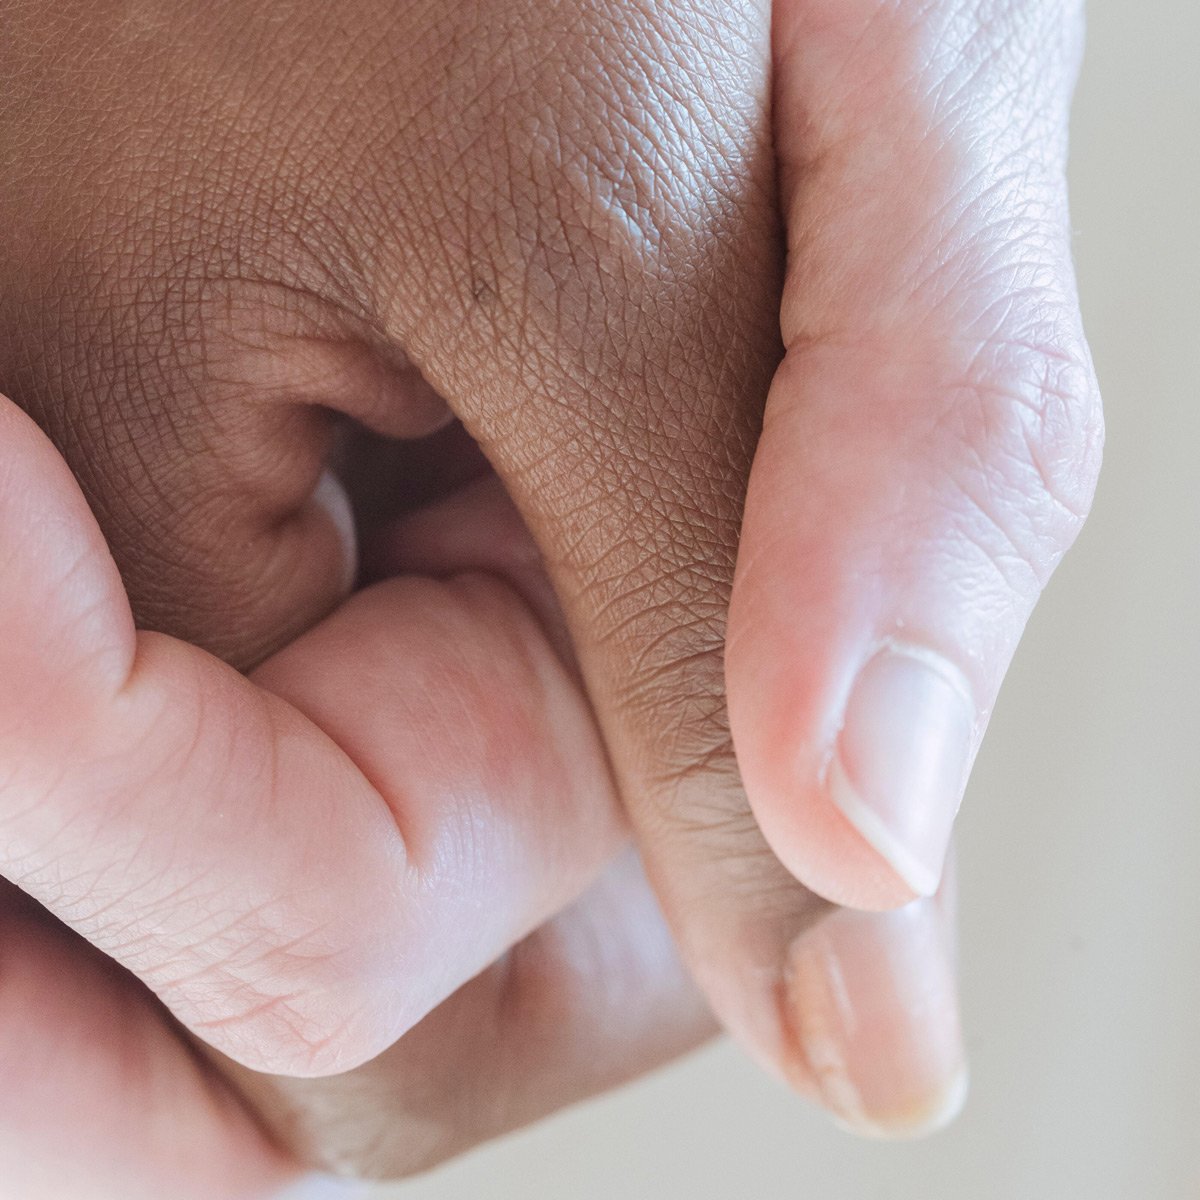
[
  {"x": 919, "y": 1122},
  {"x": 916, "y": 876}
]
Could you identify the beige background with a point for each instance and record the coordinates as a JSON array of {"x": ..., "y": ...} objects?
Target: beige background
[{"x": 1080, "y": 846}]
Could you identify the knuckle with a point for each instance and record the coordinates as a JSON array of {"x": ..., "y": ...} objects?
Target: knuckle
[
  {"x": 1067, "y": 438},
  {"x": 288, "y": 1007},
  {"x": 600, "y": 187},
  {"x": 290, "y": 1033},
  {"x": 1033, "y": 451}
]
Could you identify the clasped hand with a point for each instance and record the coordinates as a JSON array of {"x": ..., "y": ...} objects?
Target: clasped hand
[{"x": 698, "y": 396}]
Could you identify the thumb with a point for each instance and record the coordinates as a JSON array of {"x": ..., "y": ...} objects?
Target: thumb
[{"x": 932, "y": 437}]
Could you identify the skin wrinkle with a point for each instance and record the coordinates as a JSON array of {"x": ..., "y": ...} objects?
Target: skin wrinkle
[
  {"x": 563, "y": 217},
  {"x": 985, "y": 185},
  {"x": 555, "y": 317}
]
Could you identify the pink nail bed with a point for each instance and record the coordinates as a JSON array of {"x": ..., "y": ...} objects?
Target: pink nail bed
[{"x": 900, "y": 762}]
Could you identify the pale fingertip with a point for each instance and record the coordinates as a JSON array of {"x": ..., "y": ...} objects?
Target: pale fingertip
[
  {"x": 939, "y": 1112},
  {"x": 874, "y": 1009}
]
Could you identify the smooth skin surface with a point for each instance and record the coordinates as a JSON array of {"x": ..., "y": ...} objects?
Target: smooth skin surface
[{"x": 246, "y": 243}]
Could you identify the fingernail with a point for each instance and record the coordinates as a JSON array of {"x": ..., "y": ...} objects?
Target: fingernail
[
  {"x": 330, "y": 496},
  {"x": 899, "y": 766},
  {"x": 874, "y": 1007}
]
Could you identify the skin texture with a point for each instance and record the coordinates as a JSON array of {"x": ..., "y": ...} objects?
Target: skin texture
[
  {"x": 270, "y": 220},
  {"x": 247, "y": 242},
  {"x": 933, "y": 436}
]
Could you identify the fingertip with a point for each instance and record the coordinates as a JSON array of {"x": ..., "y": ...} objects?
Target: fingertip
[
  {"x": 900, "y": 759},
  {"x": 786, "y": 706},
  {"x": 828, "y": 854},
  {"x": 873, "y": 1005},
  {"x": 926, "y": 1117}
]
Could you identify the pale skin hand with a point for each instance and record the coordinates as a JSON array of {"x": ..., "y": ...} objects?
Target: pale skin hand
[
  {"x": 933, "y": 436},
  {"x": 930, "y": 447},
  {"x": 298, "y": 896}
]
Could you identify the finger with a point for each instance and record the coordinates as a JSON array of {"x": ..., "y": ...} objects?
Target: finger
[
  {"x": 932, "y": 438},
  {"x": 611, "y": 360},
  {"x": 476, "y": 528},
  {"x": 101, "y": 1100},
  {"x": 875, "y": 1004},
  {"x": 297, "y": 903},
  {"x": 592, "y": 999},
  {"x": 599, "y": 995}
]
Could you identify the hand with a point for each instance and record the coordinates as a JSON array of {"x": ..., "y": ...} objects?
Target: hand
[
  {"x": 932, "y": 439},
  {"x": 201, "y": 829},
  {"x": 268, "y": 222},
  {"x": 646, "y": 601}
]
